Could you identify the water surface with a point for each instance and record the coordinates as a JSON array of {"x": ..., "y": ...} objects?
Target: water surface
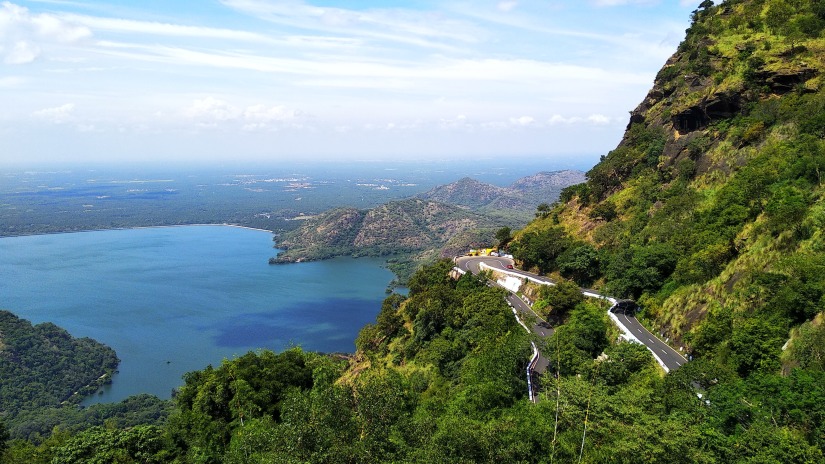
[{"x": 172, "y": 300}]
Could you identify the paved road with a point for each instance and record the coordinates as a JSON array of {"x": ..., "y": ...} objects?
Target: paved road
[
  {"x": 540, "y": 327},
  {"x": 671, "y": 358},
  {"x": 668, "y": 356}
]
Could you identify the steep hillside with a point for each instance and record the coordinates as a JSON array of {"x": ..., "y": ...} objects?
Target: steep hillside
[{"x": 709, "y": 211}]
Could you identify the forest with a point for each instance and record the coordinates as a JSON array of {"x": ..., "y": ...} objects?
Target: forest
[
  {"x": 708, "y": 213},
  {"x": 43, "y": 366},
  {"x": 439, "y": 378}
]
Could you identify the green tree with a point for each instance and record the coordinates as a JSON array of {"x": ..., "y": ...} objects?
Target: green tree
[
  {"x": 542, "y": 210},
  {"x": 581, "y": 264},
  {"x": 4, "y": 436},
  {"x": 142, "y": 444},
  {"x": 503, "y": 236},
  {"x": 560, "y": 299},
  {"x": 540, "y": 249}
]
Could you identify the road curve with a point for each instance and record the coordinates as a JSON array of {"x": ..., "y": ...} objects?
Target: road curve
[
  {"x": 667, "y": 357},
  {"x": 540, "y": 327}
]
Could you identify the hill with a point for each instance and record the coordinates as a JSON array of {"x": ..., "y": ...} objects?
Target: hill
[
  {"x": 43, "y": 366},
  {"x": 709, "y": 211},
  {"x": 403, "y": 226},
  {"x": 444, "y": 221},
  {"x": 518, "y": 201},
  {"x": 715, "y": 228}
]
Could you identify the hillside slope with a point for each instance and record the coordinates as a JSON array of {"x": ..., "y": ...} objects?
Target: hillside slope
[
  {"x": 519, "y": 200},
  {"x": 709, "y": 211},
  {"x": 44, "y": 366},
  {"x": 403, "y": 226},
  {"x": 444, "y": 221},
  {"x": 731, "y": 246}
]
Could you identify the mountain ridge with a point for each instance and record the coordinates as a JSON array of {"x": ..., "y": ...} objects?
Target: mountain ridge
[{"x": 444, "y": 221}]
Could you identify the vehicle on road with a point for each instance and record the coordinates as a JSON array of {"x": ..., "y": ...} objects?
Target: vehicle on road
[{"x": 509, "y": 266}]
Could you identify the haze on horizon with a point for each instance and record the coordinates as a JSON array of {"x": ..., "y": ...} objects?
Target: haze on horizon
[{"x": 269, "y": 80}]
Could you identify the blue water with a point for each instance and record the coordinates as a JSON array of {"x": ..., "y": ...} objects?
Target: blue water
[{"x": 173, "y": 300}]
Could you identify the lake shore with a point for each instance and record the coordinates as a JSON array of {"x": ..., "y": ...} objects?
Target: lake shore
[{"x": 162, "y": 226}]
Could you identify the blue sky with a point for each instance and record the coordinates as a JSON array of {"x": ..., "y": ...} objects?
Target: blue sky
[{"x": 159, "y": 80}]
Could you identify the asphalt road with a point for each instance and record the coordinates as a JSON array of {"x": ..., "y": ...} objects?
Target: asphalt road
[
  {"x": 540, "y": 327},
  {"x": 668, "y": 356}
]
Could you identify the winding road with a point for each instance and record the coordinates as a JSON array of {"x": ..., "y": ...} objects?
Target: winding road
[{"x": 665, "y": 355}]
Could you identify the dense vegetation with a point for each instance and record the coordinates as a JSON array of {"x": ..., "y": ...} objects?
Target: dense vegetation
[
  {"x": 709, "y": 213},
  {"x": 43, "y": 366},
  {"x": 439, "y": 378}
]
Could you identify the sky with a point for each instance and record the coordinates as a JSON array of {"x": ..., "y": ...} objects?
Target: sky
[{"x": 165, "y": 81}]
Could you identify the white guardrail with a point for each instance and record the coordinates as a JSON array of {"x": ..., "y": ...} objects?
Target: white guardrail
[
  {"x": 533, "y": 359},
  {"x": 626, "y": 334}
]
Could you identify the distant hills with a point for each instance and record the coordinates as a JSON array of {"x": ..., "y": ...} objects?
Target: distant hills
[
  {"x": 442, "y": 221},
  {"x": 522, "y": 196}
]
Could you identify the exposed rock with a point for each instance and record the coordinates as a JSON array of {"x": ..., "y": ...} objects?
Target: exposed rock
[
  {"x": 714, "y": 108},
  {"x": 784, "y": 81}
]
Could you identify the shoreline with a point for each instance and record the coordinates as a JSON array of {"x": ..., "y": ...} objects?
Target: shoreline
[{"x": 224, "y": 224}]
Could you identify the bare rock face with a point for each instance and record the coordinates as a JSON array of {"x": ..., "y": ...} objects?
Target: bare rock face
[
  {"x": 784, "y": 81},
  {"x": 710, "y": 109}
]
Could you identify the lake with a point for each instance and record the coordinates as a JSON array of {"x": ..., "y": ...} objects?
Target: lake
[{"x": 172, "y": 300}]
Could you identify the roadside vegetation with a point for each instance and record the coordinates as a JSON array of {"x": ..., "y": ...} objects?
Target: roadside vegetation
[{"x": 709, "y": 213}]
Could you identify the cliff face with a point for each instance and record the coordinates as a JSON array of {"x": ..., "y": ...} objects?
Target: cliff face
[{"x": 709, "y": 211}]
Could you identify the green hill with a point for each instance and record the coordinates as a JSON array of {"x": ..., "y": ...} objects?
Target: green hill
[
  {"x": 709, "y": 212},
  {"x": 401, "y": 226}
]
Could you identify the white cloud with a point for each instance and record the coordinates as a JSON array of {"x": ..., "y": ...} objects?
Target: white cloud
[
  {"x": 158, "y": 28},
  {"x": 598, "y": 119},
  {"x": 262, "y": 117},
  {"x": 210, "y": 111},
  {"x": 410, "y": 27},
  {"x": 23, "y": 35},
  {"x": 522, "y": 121},
  {"x": 625, "y": 2},
  {"x": 57, "y": 115},
  {"x": 507, "y": 5},
  {"x": 593, "y": 119},
  {"x": 21, "y": 52},
  {"x": 459, "y": 122},
  {"x": 10, "y": 82}
]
